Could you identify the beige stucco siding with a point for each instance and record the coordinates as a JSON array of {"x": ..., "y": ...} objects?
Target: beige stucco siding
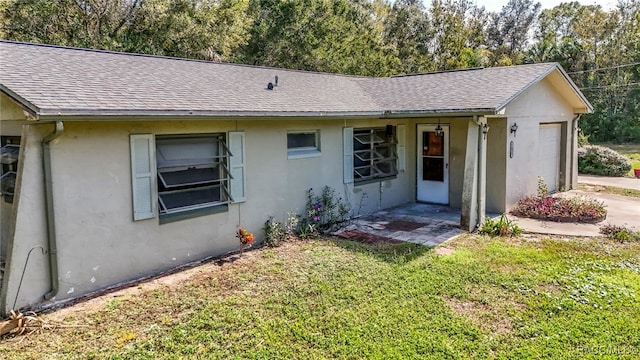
[
  {"x": 99, "y": 244},
  {"x": 539, "y": 104}
]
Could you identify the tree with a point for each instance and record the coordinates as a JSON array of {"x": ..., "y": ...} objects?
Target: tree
[
  {"x": 509, "y": 30},
  {"x": 407, "y": 32},
  {"x": 332, "y": 36},
  {"x": 204, "y": 29}
]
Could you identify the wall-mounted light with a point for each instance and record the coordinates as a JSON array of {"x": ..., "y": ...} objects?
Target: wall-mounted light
[
  {"x": 514, "y": 128},
  {"x": 439, "y": 130},
  {"x": 485, "y": 130}
]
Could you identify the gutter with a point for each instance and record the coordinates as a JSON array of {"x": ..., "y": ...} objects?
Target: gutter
[
  {"x": 48, "y": 198},
  {"x": 155, "y": 115},
  {"x": 574, "y": 148}
]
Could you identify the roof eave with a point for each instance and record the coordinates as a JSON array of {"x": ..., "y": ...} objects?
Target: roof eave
[
  {"x": 24, "y": 103},
  {"x": 119, "y": 115},
  {"x": 555, "y": 66}
]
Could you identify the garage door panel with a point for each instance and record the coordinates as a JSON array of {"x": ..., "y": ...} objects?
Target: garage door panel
[{"x": 549, "y": 139}]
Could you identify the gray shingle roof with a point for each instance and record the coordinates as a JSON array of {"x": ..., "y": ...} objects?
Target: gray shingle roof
[{"x": 66, "y": 81}]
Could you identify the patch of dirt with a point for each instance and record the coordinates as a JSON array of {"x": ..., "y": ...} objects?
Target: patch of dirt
[
  {"x": 485, "y": 317},
  {"x": 403, "y": 225},
  {"x": 444, "y": 251},
  {"x": 366, "y": 238},
  {"x": 212, "y": 269}
]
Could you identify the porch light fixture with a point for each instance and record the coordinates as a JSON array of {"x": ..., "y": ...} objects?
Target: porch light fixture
[
  {"x": 439, "y": 130},
  {"x": 514, "y": 128}
]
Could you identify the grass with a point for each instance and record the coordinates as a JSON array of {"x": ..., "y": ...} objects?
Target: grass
[
  {"x": 632, "y": 151},
  {"x": 526, "y": 297},
  {"x": 609, "y": 190}
]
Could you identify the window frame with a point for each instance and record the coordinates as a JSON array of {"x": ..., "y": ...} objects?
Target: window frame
[
  {"x": 9, "y": 161},
  {"x": 307, "y": 151},
  {"x": 374, "y": 149},
  {"x": 220, "y": 160}
]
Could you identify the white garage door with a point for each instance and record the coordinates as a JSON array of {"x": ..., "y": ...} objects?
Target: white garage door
[{"x": 549, "y": 154}]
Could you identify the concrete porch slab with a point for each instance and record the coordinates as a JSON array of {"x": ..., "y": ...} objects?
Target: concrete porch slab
[{"x": 425, "y": 224}]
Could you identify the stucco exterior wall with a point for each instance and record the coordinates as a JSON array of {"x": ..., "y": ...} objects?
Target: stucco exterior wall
[
  {"x": 99, "y": 245},
  {"x": 539, "y": 104}
]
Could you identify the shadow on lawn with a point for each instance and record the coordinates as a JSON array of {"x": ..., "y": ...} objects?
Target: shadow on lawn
[{"x": 394, "y": 253}]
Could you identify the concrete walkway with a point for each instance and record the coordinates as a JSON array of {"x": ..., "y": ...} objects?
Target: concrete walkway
[{"x": 621, "y": 182}]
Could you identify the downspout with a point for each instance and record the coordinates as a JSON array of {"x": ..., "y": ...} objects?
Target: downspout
[
  {"x": 574, "y": 145},
  {"x": 48, "y": 199}
]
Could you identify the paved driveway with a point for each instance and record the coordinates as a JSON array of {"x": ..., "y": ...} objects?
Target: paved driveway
[{"x": 621, "y": 182}]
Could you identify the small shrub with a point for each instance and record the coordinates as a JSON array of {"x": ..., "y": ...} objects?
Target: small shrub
[
  {"x": 500, "y": 227},
  {"x": 575, "y": 209},
  {"x": 582, "y": 139},
  {"x": 323, "y": 213},
  {"x": 620, "y": 233},
  {"x": 600, "y": 160},
  {"x": 543, "y": 190},
  {"x": 274, "y": 232}
]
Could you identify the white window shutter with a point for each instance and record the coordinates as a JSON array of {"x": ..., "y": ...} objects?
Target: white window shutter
[
  {"x": 400, "y": 134},
  {"x": 237, "y": 166},
  {"x": 143, "y": 169},
  {"x": 347, "y": 143}
]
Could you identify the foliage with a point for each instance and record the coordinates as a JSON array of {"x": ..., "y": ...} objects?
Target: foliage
[
  {"x": 600, "y": 160},
  {"x": 335, "y": 299},
  {"x": 202, "y": 29},
  {"x": 323, "y": 213},
  {"x": 574, "y": 209},
  {"x": 245, "y": 237},
  {"x": 543, "y": 190},
  {"x": 620, "y": 233},
  {"x": 274, "y": 233},
  {"x": 500, "y": 227},
  {"x": 582, "y": 139}
]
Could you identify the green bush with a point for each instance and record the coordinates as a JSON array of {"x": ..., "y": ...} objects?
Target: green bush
[
  {"x": 620, "y": 233},
  {"x": 500, "y": 227},
  {"x": 600, "y": 160}
]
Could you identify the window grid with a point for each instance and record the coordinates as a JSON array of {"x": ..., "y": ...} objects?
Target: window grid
[{"x": 374, "y": 153}]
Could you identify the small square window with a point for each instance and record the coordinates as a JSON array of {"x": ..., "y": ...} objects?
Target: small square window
[{"x": 303, "y": 144}]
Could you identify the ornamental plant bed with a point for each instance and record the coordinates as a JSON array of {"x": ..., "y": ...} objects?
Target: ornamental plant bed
[{"x": 559, "y": 209}]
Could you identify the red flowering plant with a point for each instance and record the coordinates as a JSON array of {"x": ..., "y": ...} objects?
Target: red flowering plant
[{"x": 246, "y": 239}]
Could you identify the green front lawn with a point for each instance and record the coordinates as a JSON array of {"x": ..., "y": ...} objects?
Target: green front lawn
[{"x": 529, "y": 297}]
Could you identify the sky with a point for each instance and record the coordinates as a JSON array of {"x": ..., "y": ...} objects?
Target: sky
[{"x": 496, "y": 5}]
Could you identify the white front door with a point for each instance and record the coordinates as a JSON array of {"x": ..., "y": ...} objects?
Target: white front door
[{"x": 433, "y": 164}]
